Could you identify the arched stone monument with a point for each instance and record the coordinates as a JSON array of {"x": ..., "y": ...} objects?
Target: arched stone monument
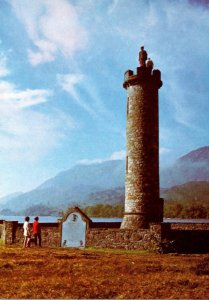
[{"x": 74, "y": 226}]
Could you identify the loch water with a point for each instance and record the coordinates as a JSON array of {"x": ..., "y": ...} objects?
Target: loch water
[{"x": 54, "y": 219}]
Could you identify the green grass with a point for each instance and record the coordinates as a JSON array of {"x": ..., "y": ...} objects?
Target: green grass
[{"x": 117, "y": 251}]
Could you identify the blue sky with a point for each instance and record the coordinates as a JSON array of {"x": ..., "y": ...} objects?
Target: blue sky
[{"x": 61, "y": 72}]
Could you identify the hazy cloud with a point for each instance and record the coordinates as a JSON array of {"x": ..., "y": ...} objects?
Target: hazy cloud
[
  {"x": 52, "y": 26},
  {"x": 70, "y": 83},
  {"x": 24, "y": 132},
  {"x": 84, "y": 93},
  {"x": 10, "y": 96},
  {"x": 119, "y": 155},
  {"x": 164, "y": 151}
]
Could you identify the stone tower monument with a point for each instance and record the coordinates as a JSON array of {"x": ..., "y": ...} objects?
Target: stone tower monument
[{"x": 142, "y": 202}]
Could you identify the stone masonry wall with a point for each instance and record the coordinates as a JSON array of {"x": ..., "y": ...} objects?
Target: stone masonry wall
[
  {"x": 1, "y": 230},
  {"x": 8, "y": 231},
  {"x": 142, "y": 178},
  {"x": 159, "y": 237},
  {"x": 12, "y": 233},
  {"x": 186, "y": 237},
  {"x": 141, "y": 239}
]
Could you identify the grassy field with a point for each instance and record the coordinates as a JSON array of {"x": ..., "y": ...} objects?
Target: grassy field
[{"x": 91, "y": 274}]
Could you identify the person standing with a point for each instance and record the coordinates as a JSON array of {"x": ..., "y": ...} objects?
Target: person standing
[
  {"x": 142, "y": 57},
  {"x": 27, "y": 233},
  {"x": 37, "y": 231}
]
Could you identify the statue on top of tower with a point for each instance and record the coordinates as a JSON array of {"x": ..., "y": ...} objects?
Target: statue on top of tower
[{"x": 142, "y": 57}]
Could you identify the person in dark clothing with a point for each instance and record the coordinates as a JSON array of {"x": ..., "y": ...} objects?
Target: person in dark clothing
[
  {"x": 37, "y": 231},
  {"x": 142, "y": 57}
]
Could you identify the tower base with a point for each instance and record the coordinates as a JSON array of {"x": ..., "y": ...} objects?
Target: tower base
[{"x": 134, "y": 221}]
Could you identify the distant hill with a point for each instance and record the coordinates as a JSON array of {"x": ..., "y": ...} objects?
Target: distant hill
[
  {"x": 10, "y": 197},
  {"x": 193, "y": 166},
  {"x": 199, "y": 155},
  {"x": 104, "y": 175},
  {"x": 189, "y": 200},
  {"x": 103, "y": 183},
  {"x": 112, "y": 196},
  {"x": 190, "y": 191},
  {"x": 76, "y": 186}
]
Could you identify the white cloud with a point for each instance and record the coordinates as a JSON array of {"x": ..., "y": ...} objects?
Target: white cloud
[
  {"x": 84, "y": 93},
  {"x": 90, "y": 161},
  {"x": 119, "y": 155},
  {"x": 70, "y": 84},
  {"x": 52, "y": 26},
  {"x": 10, "y": 96},
  {"x": 164, "y": 151},
  {"x": 27, "y": 133},
  {"x": 36, "y": 58}
]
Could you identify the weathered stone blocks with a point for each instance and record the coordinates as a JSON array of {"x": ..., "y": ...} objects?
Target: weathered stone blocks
[{"x": 141, "y": 239}]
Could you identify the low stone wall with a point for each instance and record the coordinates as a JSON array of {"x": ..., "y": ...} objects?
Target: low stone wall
[
  {"x": 1, "y": 232},
  {"x": 189, "y": 226},
  {"x": 142, "y": 239},
  {"x": 186, "y": 238},
  {"x": 159, "y": 237},
  {"x": 12, "y": 233}
]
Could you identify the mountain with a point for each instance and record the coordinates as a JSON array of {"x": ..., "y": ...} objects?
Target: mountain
[
  {"x": 104, "y": 175},
  {"x": 197, "y": 191},
  {"x": 187, "y": 201},
  {"x": 85, "y": 185},
  {"x": 193, "y": 166},
  {"x": 75, "y": 186},
  {"x": 10, "y": 197},
  {"x": 112, "y": 196},
  {"x": 199, "y": 155}
]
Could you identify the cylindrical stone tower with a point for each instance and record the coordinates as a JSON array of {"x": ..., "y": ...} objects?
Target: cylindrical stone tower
[{"x": 142, "y": 202}]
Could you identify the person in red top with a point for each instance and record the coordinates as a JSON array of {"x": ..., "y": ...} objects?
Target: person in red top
[{"x": 37, "y": 231}]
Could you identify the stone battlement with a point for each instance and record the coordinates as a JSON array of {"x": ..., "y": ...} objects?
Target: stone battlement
[{"x": 143, "y": 75}]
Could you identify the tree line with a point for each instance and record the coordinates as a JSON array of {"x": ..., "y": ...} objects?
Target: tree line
[
  {"x": 190, "y": 209},
  {"x": 104, "y": 211},
  {"x": 172, "y": 209}
]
